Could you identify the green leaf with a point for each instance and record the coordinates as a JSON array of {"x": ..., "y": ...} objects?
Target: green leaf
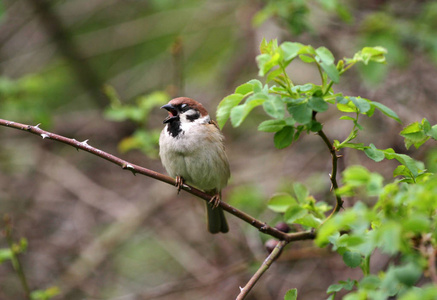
[
  {"x": 5, "y": 254},
  {"x": 326, "y": 61},
  {"x": 300, "y": 191},
  {"x": 346, "y": 108},
  {"x": 274, "y": 107},
  {"x": 386, "y": 111},
  {"x": 244, "y": 89},
  {"x": 418, "y": 223},
  {"x": 291, "y": 50},
  {"x": 291, "y": 295},
  {"x": 318, "y": 104},
  {"x": 225, "y": 107},
  {"x": 389, "y": 237},
  {"x": 284, "y": 137},
  {"x": 352, "y": 259},
  {"x": 294, "y": 212},
  {"x": 240, "y": 112},
  {"x": 281, "y": 202},
  {"x": 333, "y": 288},
  {"x": 302, "y": 113},
  {"x": 408, "y": 274},
  {"x": 356, "y": 175},
  {"x": 315, "y": 126},
  {"x": 325, "y": 55},
  {"x": 309, "y": 220},
  {"x": 360, "y": 103},
  {"x": 266, "y": 62},
  {"x": 307, "y": 59},
  {"x": 404, "y": 159},
  {"x": 415, "y": 133},
  {"x": 272, "y": 125},
  {"x": 373, "y": 153}
]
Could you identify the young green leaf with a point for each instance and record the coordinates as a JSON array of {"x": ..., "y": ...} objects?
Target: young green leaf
[
  {"x": 225, "y": 107},
  {"x": 291, "y": 50},
  {"x": 281, "y": 202},
  {"x": 386, "y": 111},
  {"x": 240, "y": 112},
  {"x": 291, "y": 295},
  {"x": 318, "y": 104},
  {"x": 284, "y": 137},
  {"x": 363, "y": 105},
  {"x": 272, "y": 125},
  {"x": 302, "y": 113},
  {"x": 274, "y": 107},
  {"x": 326, "y": 61},
  {"x": 293, "y": 213},
  {"x": 373, "y": 153},
  {"x": 300, "y": 191},
  {"x": 244, "y": 89},
  {"x": 352, "y": 259},
  {"x": 309, "y": 220}
]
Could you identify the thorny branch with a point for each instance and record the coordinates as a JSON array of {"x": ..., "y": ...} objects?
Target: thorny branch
[
  {"x": 265, "y": 265},
  {"x": 333, "y": 175},
  {"x": 135, "y": 169}
]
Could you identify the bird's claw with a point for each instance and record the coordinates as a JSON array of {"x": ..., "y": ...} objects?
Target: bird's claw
[
  {"x": 179, "y": 183},
  {"x": 215, "y": 201}
]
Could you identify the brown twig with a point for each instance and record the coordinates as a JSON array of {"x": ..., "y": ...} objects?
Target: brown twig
[
  {"x": 135, "y": 169},
  {"x": 264, "y": 267},
  {"x": 333, "y": 175}
]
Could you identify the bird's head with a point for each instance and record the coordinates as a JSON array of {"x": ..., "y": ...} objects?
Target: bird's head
[{"x": 184, "y": 110}]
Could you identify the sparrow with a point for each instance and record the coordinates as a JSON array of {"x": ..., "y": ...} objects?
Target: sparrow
[{"x": 192, "y": 150}]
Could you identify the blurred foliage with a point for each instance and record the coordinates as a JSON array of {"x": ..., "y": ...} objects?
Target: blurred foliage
[
  {"x": 295, "y": 14},
  {"x": 144, "y": 139}
]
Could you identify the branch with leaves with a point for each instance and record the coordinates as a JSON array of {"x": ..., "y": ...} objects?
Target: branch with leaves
[
  {"x": 355, "y": 232},
  {"x": 293, "y": 109}
]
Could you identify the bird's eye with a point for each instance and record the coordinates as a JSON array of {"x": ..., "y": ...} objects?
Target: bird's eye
[{"x": 185, "y": 107}]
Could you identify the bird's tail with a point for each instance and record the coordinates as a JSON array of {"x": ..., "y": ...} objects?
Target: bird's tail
[{"x": 216, "y": 219}]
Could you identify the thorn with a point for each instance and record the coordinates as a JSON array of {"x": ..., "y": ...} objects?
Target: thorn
[
  {"x": 76, "y": 147},
  {"x": 44, "y": 135},
  {"x": 340, "y": 155},
  {"x": 129, "y": 167},
  {"x": 330, "y": 175},
  {"x": 37, "y": 125},
  {"x": 85, "y": 142},
  {"x": 241, "y": 289}
]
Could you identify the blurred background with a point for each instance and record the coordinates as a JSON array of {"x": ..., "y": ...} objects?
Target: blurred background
[{"x": 100, "y": 70}]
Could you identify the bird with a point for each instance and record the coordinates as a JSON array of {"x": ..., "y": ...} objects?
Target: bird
[{"x": 191, "y": 148}]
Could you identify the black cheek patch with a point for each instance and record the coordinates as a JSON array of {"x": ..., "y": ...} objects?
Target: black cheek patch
[{"x": 193, "y": 117}]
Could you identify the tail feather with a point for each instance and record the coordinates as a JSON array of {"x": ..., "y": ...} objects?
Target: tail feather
[{"x": 216, "y": 219}]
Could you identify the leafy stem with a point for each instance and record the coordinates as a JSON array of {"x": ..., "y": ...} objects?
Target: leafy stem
[
  {"x": 288, "y": 80},
  {"x": 15, "y": 249}
]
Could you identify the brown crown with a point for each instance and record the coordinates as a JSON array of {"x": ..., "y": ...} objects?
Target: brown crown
[{"x": 191, "y": 103}]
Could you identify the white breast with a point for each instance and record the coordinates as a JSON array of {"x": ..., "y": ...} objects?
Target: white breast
[{"x": 197, "y": 154}]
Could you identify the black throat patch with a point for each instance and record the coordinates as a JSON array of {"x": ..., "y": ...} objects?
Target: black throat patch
[{"x": 174, "y": 127}]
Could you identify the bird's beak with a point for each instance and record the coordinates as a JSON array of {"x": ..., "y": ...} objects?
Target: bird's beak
[{"x": 172, "y": 113}]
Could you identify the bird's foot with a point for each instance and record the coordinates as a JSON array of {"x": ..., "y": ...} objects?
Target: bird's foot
[
  {"x": 215, "y": 201},
  {"x": 179, "y": 183}
]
